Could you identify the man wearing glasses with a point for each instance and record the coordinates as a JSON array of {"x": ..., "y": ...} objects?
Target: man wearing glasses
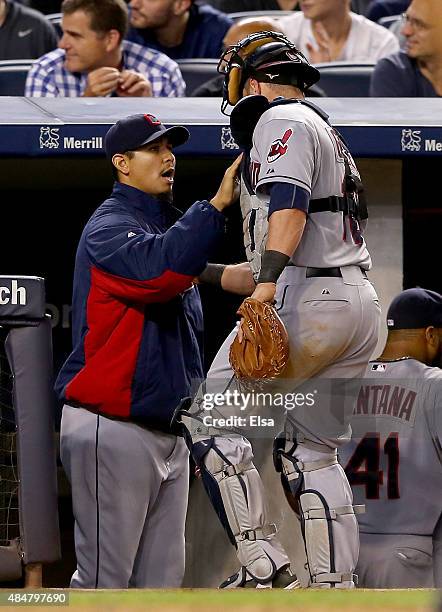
[{"x": 415, "y": 72}]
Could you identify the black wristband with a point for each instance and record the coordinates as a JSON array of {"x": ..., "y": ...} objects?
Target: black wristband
[
  {"x": 212, "y": 274},
  {"x": 272, "y": 264}
]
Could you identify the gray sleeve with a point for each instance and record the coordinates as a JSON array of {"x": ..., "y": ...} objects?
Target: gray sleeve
[
  {"x": 434, "y": 412},
  {"x": 437, "y": 554},
  {"x": 287, "y": 153}
]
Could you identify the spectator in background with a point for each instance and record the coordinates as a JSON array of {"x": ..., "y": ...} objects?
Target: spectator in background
[
  {"x": 386, "y": 8},
  {"x": 179, "y": 28},
  {"x": 237, "y": 6},
  {"x": 237, "y": 32},
  {"x": 24, "y": 33},
  {"x": 327, "y": 31},
  {"x": 416, "y": 71},
  {"x": 94, "y": 60}
]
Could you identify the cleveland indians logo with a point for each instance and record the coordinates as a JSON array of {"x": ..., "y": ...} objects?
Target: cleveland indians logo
[
  {"x": 49, "y": 138},
  {"x": 411, "y": 140},
  {"x": 152, "y": 119},
  {"x": 279, "y": 147}
]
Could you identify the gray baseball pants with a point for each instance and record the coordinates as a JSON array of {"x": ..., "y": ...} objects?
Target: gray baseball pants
[
  {"x": 395, "y": 561},
  {"x": 129, "y": 494},
  {"x": 333, "y": 325}
]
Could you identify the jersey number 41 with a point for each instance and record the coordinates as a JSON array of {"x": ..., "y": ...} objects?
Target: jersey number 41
[{"x": 363, "y": 467}]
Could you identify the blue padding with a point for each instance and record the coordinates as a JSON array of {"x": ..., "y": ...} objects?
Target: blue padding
[
  {"x": 199, "y": 451},
  {"x": 288, "y": 195},
  {"x": 373, "y": 127}
]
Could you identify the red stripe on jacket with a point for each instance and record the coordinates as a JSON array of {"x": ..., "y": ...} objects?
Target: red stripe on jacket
[{"x": 115, "y": 319}]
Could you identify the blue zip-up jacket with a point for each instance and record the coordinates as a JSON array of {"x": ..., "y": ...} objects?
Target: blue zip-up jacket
[{"x": 137, "y": 318}]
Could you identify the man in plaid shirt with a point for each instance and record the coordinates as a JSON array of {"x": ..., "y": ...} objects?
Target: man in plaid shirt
[{"x": 94, "y": 60}]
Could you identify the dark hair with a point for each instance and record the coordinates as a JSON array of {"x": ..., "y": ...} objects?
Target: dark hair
[
  {"x": 115, "y": 173},
  {"x": 105, "y": 15}
]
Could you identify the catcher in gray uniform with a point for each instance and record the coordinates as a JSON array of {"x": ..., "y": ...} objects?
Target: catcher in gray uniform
[
  {"x": 303, "y": 232},
  {"x": 394, "y": 460}
]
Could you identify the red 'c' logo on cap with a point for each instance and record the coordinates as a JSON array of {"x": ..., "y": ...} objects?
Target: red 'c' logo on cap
[{"x": 152, "y": 120}]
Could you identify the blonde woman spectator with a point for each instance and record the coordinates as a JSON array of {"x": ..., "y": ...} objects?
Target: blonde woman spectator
[{"x": 327, "y": 31}]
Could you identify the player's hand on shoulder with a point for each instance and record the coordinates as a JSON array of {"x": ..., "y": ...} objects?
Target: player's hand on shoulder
[
  {"x": 228, "y": 191},
  {"x": 101, "y": 82},
  {"x": 134, "y": 85}
]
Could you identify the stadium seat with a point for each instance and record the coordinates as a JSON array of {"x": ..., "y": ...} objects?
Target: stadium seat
[
  {"x": 197, "y": 71},
  {"x": 345, "y": 79},
  {"x": 394, "y": 23},
  {"x": 55, "y": 19},
  {"x": 13, "y": 75},
  {"x": 360, "y": 6},
  {"x": 389, "y": 21},
  {"x": 258, "y": 14}
]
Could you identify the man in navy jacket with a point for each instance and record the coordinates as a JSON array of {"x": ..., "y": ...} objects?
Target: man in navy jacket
[
  {"x": 416, "y": 71},
  {"x": 179, "y": 28},
  {"x": 137, "y": 337}
]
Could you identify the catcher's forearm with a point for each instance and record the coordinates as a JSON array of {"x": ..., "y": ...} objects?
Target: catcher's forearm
[{"x": 285, "y": 230}]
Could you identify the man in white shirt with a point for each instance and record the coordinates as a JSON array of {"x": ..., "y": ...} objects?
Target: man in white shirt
[{"x": 327, "y": 31}]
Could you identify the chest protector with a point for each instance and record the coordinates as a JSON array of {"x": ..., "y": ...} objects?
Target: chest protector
[
  {"x": 255, "y": 221},
  {"x": 254, "y": 210}
]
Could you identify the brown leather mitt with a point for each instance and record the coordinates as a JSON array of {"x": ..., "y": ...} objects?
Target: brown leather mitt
[{"x": 264, "y": 350}]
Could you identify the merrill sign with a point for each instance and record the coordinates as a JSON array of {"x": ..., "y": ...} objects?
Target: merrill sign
[
  {"x": 90, "y": 143},
  {"x": 433, "y": 145},
  {"x": 411, "y": 140},
  {"x": 50, "y": 139}
]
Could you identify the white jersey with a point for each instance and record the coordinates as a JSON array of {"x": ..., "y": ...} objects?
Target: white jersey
[
  {"x": 394, "y": 461},
  {"x": 367, "y": 41},
  {"x": 293, "y": 144}
]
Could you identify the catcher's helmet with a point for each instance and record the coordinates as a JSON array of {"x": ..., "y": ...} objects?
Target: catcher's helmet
[{"x": 268, "y": 57}]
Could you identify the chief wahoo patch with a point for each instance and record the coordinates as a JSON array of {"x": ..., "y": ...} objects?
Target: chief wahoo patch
[{"x": 279, "y": 147}]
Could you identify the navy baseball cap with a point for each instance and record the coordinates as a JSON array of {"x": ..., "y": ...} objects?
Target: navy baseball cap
[
  {"x": 414, "y": 309},
  {"x": 136, "y": 131}
]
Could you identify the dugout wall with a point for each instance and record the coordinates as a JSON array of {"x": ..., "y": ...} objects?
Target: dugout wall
[{"x": 28, "y": 508}]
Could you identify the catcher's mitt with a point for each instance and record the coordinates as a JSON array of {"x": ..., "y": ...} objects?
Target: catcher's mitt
[{"x": 264, "y": 350}]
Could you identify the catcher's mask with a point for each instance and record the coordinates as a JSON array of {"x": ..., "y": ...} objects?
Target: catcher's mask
[{"x": 267, "y": 56}]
